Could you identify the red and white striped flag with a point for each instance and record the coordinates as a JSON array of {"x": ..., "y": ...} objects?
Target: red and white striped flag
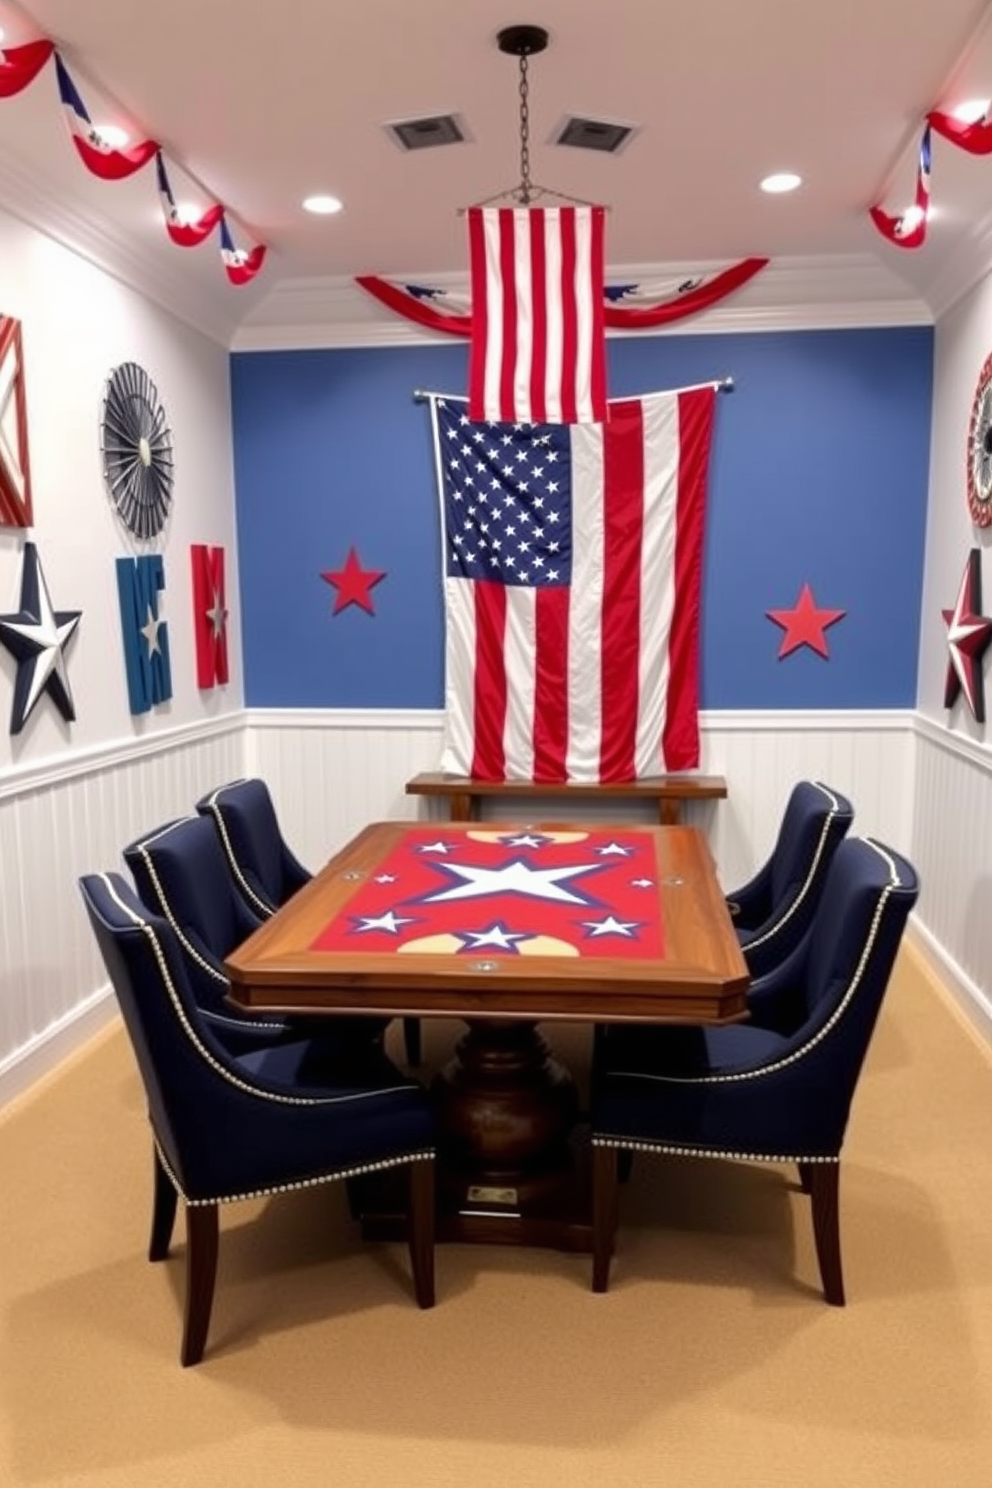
[
  {"x": 538, "y": 338},
  {"x": 573, "y": 563}
]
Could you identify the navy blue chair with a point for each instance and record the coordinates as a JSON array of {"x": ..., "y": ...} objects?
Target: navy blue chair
[
  {"x": 775, "y": 908},
  {"x": 262, "y": 865},
  {"x": 745, "y": 1092},
  {"x": 181, "y": 873},
  {"x": 228, "y": 1127}
]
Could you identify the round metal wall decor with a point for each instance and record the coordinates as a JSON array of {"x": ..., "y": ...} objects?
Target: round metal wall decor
[
  {"x": 979, "y": 468},
  {"x": 136, "y": 445}
]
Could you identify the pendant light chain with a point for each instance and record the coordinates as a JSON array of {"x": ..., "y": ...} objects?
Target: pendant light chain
[{"x": 525, "y": 187}]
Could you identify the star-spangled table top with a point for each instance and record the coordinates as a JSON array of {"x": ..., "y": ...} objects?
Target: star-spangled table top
[{"x": 485, "y": 919}]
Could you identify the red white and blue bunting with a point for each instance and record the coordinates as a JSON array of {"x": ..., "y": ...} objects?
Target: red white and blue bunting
[
  {"x": 628, "y": 307},
  {"x": 909, "y": 229},
  {"x": 19, "y": 66}
]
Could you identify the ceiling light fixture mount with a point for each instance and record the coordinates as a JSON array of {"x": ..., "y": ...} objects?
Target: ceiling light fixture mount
[{"x": 523, "y": 42}]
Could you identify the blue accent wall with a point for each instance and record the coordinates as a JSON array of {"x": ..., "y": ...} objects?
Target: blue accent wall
[{"x": 819, "y": 475}]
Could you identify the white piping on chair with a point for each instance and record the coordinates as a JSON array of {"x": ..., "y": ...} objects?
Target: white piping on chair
[
  {"x": 264, "y": 908},
  {"x": 204, "y": 1052},
  {"x": 810, "y": 877},
  {"x": 630, "y": 1145},
  {"x": 740, "y": 1076}
]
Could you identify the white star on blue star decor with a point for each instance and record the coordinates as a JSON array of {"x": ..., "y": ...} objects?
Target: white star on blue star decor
[
  {"x": 37, "y": 636},
  {"x": 517, "y": 877},
  {"x": 389, "y": 922},
  {"x": 498, "y": 936},
  {"x": 611, "y": 926}
]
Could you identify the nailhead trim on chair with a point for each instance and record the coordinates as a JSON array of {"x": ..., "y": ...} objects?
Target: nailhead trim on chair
[
  {"x": 838, "y": 1013},
  {"x": 204, "y": 1053},
  {"x": 264, "y": 908},
  {"x": 187, "y": 946},
  {"x": 810, "y": 877},
  {"x": 630, "y": 1145},
  {"x": 280, "y": 1188}
]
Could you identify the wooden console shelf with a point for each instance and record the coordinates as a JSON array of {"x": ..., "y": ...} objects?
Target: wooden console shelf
[{"x": 669, "y": 791}]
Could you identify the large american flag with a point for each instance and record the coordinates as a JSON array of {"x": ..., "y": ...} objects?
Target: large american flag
[
  {"x": 572, "y": 560},
  {"x": 538, "y": 332}
]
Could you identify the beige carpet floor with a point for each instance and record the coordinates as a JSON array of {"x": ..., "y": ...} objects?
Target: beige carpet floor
[{"x": 711, "y": 1361}]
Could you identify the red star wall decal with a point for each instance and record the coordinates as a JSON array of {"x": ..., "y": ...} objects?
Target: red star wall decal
[
  {"x": 968, "y": 635},
  {"x": 353, "y": 583},
  {"x": 804, "y": 624}
]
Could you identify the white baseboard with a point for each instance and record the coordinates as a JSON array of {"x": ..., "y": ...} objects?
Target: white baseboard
[
  {"x": 965, "y": 995},
  {"x": 25, "y": 1067}
]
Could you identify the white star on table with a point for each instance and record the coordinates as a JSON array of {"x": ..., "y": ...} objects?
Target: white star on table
[
  {"x": 37, "y": 636},
  {"x": 517, "y": 877},
  {"x": 642, "y": 883},
  {"x": 150, "y": 632},
  {"x": 611, "y": 926},
  {"x": 497, "y": 936},
  {"x": 389, "y": 922},
  {"x": 216, "y": 616},
  {"x": 614, "y": 850},
  {"x": 526, "y": 839},
  {"x": 384, "y": 878},
  {"x": 438, "y": 847}
]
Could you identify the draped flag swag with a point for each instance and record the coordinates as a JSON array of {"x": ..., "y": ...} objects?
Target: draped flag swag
[
  {"x": 20, "y": 65},
  {"x": 442, "y": 310},
  {"x": 183, "y": 234},
  {"x": 910, "y": 229},
  {"x": 976, "y": 137}
]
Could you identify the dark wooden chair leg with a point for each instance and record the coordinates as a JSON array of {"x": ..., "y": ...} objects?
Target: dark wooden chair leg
[
  {"x": 201, "y": 1273},
  {"x": 605, "y": 1212},
  {"x": 805, "y": 1181},
  {"x": 411, "y": 1041},
  {"x": 163, "y": 1211},
  {"x": 625, "y": 1164},
  {"x": 420, "y": 1230},
  {"x": 824, "y": 1180}
]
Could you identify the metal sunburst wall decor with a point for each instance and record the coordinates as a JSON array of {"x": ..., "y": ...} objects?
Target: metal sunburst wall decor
[{"x": 136, "y": 445}]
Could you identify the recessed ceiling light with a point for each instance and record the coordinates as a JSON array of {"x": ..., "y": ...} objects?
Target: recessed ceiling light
[
  {"x": 971, "y": 111},
  {"x": 112, "y": 135},
  {"x": 322, "y": 206},
  {"x": 782, "y": 181}
]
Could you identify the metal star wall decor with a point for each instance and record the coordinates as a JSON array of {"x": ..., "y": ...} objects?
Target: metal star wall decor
[
  {"x": 38, "y": 636},
  {"x": 968, "y": 635}
]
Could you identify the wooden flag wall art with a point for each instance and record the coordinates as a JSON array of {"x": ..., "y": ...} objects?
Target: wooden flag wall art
[
  {"x": 209, "y": 615},
  {"x": 15, "y": 466},
  {"x": 145, "y": 634}
]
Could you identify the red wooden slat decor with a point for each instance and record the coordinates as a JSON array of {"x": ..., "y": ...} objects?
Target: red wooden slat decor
[{"x": 15, "y": 467}]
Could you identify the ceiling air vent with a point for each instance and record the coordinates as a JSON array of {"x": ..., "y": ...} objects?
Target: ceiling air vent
[
  {"x": 593, "y": 134},
  {"x": 424, "y": 134}
]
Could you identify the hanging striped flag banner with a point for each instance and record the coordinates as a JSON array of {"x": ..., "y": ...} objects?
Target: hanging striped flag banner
[
  {"x": 538, "y": 336},
  {"x": 21, "y": 65},
  {"x": 99, "y": 157},
  {"x": 240, "y": 265},
  {"x": 910, "y": 229},
  {"x": 183, "y": 234}
]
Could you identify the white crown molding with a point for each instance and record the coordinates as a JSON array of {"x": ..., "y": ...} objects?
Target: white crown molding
[
  {"x": 827, "y": 292},
  {"x": 965, "y": 267},
  {"x": 27, "y": 195}
]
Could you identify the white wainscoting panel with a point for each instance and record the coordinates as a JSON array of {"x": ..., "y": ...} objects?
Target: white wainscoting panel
[
  {"x": 332, "y": 772},
  {"x": 58, "y": 821},
  {"x": 952, "y": 851}
]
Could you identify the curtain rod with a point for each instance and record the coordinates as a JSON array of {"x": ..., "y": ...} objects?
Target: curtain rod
[{"x": 723, "y": 385}]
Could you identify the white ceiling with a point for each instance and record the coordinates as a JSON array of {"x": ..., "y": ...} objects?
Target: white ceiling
[{"x": 265, "y": 105}]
